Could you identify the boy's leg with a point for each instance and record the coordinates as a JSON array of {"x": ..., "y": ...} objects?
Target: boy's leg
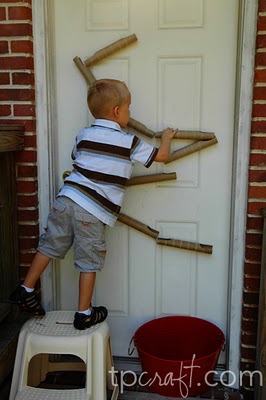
[
  {"x": 96, "y": 314},
  {"x": 28, "y": 300},
  {"x": 38, "y": 265},
  {"x": 86, "y": 286}
]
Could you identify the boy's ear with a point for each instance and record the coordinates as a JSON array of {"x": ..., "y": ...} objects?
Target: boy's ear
[{"x": 116, "y": 111}]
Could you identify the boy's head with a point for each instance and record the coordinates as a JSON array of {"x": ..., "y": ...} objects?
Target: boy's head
[{"x": 110, "y": 99}]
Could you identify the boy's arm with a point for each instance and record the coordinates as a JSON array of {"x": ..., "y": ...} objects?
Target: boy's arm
[{"x": 164, "y": 149}]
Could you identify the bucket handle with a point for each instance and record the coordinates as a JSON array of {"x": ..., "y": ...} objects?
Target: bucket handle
[{"x": 131, "y": 350}]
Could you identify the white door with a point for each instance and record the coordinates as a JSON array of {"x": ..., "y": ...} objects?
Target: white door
[{"x": 181, "y": 73}]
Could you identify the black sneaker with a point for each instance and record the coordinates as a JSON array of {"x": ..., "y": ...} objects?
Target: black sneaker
[
  {"x": 27, "y": 301},
  {"x": 82, "y": 321}
]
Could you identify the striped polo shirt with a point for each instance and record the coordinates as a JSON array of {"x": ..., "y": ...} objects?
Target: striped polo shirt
[{"x": 103, "y": 158}]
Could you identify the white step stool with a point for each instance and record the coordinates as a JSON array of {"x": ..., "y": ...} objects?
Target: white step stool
[{"x": 55, "y": 334}]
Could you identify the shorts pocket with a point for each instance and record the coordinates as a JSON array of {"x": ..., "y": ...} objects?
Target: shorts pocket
[
  {"x": 56, "y": 214},
  {"x": 86, "y": 218},
  {"x": 57, "y": 206},
  {"x": 98, "y": 254},
  {"x": 88, "y": 225}
]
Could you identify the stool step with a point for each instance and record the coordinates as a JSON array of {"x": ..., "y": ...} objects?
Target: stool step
[{"x": 31, "y": 393}]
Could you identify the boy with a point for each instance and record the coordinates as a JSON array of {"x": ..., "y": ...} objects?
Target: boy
[{"x": 103, "y": 158}]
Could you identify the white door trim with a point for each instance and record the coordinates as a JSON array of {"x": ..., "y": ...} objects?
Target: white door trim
[
  {"x": 46, "y": 123},
  {"x": 244, "y": 93}
]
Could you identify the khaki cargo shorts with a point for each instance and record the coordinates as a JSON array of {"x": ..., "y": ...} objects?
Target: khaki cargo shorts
[{"x": 68, "y": 224}]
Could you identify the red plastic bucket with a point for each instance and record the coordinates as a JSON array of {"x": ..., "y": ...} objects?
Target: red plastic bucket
[{"x": 178, "y": 355}]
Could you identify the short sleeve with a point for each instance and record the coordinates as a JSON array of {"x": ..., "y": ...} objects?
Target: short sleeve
[
  {"x": 74, "y": 150},
  {"x": 142, "y": 152}
]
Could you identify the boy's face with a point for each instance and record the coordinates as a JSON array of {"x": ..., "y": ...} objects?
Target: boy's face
[{"x": 124, "y": 112}]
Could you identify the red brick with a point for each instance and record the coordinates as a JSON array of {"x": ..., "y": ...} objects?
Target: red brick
[
  {"x": 254, "y": 239},
  {"x": 27, "y": 201},
  {"x": 262, "y": 6},
  {"x": 16, "y": 62},
  {"x": 259, "y": 93},
  {"x": 260, "y": 75},
  {"x": 28, "y": 215},
  {"x": 254, "y": 207},
  {"x": 26, "y": 156},
  {"x": 258, "y": 142},
  {"x": 19, "y": 13},
  {"x": 15, "y": 30},
  {"x": 26, "y": 258},
  {"x": 22, "y": 46},
  {"x": 252, "y": 268},
  {"x": 17, "y": 95},
  {"x": 5, "y": 110},
  {"x": 261, "y": 41},
  {"x": 24, "y": 110},
  {"x": 28, "y": 230},
  {"x": 257, "y": 176},
  {"x": 28, "y": 243},
  {"x": 26, "y": 171},
  {"x": 249, "y": 353},
  {"x": 252, "y": 284},
  {"x": 23, "y": 78},
  {"x": 257, "y": 192},
  {"x": 249, "y": 324},
  {"x": 30, "y": 141},
  {"x": 250, "y": 298},
  {"x": 255, "y": 223},
  {"x": 253, "y": 254},
  {"x": 2, "y": 14},
  {"x": 258, "y": 127},
  {"x": 4, "y": 78},
  {"x": 260, "y": 59},
  {"x": 258, "y": 159},
  {"x": 261, "y": 23},
  {"x": 250, "y": 312},
  {"x": 27, "y": 187},
  {"x": 3, "y": 47},
  {"x": 248, "y": 339},
  {"x": 259, "y": 110}
]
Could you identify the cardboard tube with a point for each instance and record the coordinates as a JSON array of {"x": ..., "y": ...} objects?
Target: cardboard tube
[
  {"x": 192, "y": 148},
  {"x": 84, "y": 70},
  {"x": 139, "y": 226},
  {"x": 139, "y": 127},
  {"x": 193, "y": 135},
  {"x": 111, "y": 49},
  {"x": 141, "y": 180},
  {"x": 183, "y": 244}
]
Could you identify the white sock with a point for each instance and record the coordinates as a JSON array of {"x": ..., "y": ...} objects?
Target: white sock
[
  {"x": 28, "y": 290},
  {"x": 86, "y": 312}
]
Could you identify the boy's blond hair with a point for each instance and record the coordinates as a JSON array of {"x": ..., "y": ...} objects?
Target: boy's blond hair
[{"x": 105, "y": 94}]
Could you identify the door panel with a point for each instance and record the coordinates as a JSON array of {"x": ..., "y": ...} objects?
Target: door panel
[{"x": 181, "y": 73}]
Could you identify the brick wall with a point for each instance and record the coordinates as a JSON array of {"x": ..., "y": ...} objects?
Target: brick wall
[
  {"x": 17, "y": 106},
  {"x": 256, "y": 201}
]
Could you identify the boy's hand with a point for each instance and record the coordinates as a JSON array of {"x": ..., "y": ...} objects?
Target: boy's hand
[
  {"x": 164, "y": 149},
  {"x": 169, "y": 133}
]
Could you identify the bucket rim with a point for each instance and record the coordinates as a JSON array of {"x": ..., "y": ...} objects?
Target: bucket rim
[{"x": 217, "y": 351}]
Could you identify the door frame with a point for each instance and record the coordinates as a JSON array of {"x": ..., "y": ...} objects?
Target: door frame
[{"x": 46, "y": 128}]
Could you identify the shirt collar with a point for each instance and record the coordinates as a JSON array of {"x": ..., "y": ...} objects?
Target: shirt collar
[{"x": 106, "y": 123}]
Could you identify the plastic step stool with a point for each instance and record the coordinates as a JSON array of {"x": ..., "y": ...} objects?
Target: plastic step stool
[{"x": 55, "y": 334}]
